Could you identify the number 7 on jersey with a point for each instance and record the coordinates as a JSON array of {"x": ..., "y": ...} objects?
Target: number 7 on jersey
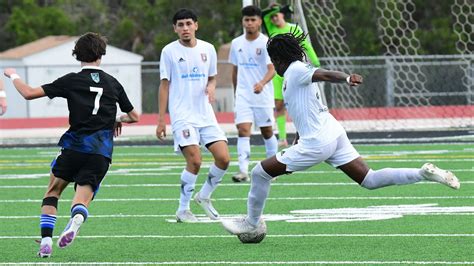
[{"x": 97, "y": 98}]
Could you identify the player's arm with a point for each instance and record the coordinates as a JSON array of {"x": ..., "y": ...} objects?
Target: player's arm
[
  {"x": 24, "y": 89},
  {"x": 257, "y": 88},
  {"x": 234, "y": 77},
  {"x": 162, "y": 106},
  {"x": 336, "y": 77},
  {"x": 267, "y": 21},
  {"x": 3, "y": 98},
  {"x": 211, "y": 88},
  {"x": 130, "y": 117}
]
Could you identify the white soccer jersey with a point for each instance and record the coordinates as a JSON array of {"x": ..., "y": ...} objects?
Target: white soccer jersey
[
  {"x": 188, "y": 70},
  {"x": 252, "y": 60},
  {"x": 311, "y": 117}
]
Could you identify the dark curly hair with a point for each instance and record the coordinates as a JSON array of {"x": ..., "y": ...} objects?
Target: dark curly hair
[
  {"x": 287, "y": 47},
  {"x": 90, "y": 47}
]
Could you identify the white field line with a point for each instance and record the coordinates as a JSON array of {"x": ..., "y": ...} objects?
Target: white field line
[
  {"x": 119, "y": 163},
  {"x": 370, "y": 262},
  {"x": 200, "y": 216},
  {"x": 275, "y": 184},
  {"x": 245, "y": 199},
  {"x": 271, "y": 236},
  {"x": 159, "y": 172}
]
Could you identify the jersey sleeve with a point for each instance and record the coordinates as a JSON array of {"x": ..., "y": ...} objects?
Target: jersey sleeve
[
  {"x": 123, "y": 101},
  {"x": 165, "y": 65},
  {"x": 57, "y": 88},
  {"x": 232, "y": 55},
  {"x": 304, "y": 72},
  {"x": 212, "y": 61}
]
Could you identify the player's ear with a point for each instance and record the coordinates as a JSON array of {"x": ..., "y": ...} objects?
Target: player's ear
[
  {"x": 197, "y": 25},
  {"x": 174, "y": 28}
]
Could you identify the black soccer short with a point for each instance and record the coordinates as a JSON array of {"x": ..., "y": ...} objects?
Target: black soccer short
[{"x": 81, "y": 168}]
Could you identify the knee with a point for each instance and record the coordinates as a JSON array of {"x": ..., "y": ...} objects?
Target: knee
[
  {"x": 223, "y": 163},
  {"x": 258, "y": 171},
  {"x": 194, "y": 165}
]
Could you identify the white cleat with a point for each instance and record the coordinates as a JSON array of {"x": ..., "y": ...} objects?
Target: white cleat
[
  {"x": 238, "y": 226},
  {"x": 70, "y": 232},
  {"x": 240, "y": 177},
  {"x": 185, "y": 216},
  {"x": 46, "y": 248},
  {"x": 206, "y": 205},
  {"x": 433, "y": 173}
]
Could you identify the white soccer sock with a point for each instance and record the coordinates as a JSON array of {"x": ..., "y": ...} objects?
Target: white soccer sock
[
  {"x": 271, "y": 146},
  {"x": 188, "y": 181},
  {"x": 243, "y": 151},
  {"x": 213, "y": 179},
  {"x": 391, "y": 176},
  {"x": 259, "y": 190}
]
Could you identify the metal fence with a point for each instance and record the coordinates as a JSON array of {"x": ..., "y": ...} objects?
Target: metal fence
[{"x": 388, "y": 82}]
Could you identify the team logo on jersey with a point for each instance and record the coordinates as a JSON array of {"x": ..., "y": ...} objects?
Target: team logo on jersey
[
  {"x": 95, "y": 77},
  {"x": 259, "y": 51},
  {"x": 186, "y": 133},
  {"x": 240, "y": 50},
  {"x": 181, "y": 60},
  {"x": 204, "y": 57}
]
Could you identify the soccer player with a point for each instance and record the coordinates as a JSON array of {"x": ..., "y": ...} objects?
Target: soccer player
[
  {"x": 86, "y": 147},
  {"x": 274, "y": 23},
  {"x": 321, "y": 136},
  {"x": 251, "y": 75},
  {"x": 3, "y": 98},
  {"x": 188, "y": 69}
]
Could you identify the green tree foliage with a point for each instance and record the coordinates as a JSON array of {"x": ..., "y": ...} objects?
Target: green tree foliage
[{"x": 145, "y": 27}]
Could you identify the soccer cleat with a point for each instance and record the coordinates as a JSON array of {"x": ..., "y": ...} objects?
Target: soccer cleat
[
  {"x": 282, "y": 143},
  {"x": 71, "y": 231},
  {"x": 46, "y": 248},
  {"x": 431, "y": 172},
  {"x": 240, "y": 177},
  {"x": 206, "y": 205},
  {"x": 239, "y": 226},
  {"x": 185, "y": 216}
]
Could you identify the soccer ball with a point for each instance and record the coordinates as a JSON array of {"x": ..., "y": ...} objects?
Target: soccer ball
[{"x": 256, "y": 237}]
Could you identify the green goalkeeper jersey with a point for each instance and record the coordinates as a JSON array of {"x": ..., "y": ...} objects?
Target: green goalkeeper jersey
[{"x": 274, "y": 30}]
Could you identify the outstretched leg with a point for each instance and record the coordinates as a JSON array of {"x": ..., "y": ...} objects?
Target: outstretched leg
[{"x": 373, "y": 179}]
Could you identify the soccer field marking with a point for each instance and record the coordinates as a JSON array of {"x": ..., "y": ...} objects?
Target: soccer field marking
[
  {"x": 370, "y": 262},
  {"x": 150, "y": 172},
  {"x": 275, "y": 184},
  {"x": 369, "y": 213},
  {"x": 245, "y": 199},
  {"x": 7, "y": 164},
  {"x": 268, "y": 236}
]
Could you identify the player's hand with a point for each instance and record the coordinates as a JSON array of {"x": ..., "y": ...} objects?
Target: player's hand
[
  {"x": 355, "y": 79},
  {"x": 211, "y": 93},
  {"x": 9, "y": 71},
  {"x": 257, "y": 88},
  {"x": 117, "y": 129},
  {"x": 161, "y": 131}
]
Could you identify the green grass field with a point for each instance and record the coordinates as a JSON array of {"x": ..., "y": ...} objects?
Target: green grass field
[{"x": 314, "y": 217}]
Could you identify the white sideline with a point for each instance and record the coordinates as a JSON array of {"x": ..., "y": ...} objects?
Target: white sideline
[
  {"x": 271, "y": 236},
  {"x": 245, "y": 199},
  {"x": 369, "y": 262}
]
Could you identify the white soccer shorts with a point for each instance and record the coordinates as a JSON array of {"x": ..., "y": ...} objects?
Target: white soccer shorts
[
  {"x": 261, "y": 116},
  {"x": 303, "y": 156},
  {"x": 188, "y": 135}
]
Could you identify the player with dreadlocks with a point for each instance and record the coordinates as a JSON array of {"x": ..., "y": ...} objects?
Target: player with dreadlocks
[{"x": 321, "y": 136}]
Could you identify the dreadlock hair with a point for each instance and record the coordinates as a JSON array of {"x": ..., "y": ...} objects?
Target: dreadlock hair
[{"x": 287, "y": 47}]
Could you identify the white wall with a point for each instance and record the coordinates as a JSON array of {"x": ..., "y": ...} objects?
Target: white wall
[{"x": 48, "y": 65}]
